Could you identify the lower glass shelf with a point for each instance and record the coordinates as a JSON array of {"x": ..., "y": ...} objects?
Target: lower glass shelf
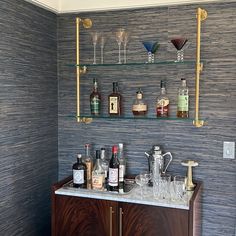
[{"x": 134, "y": 118}]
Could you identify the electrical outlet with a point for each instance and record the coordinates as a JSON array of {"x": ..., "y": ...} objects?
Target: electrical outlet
[{"x": 229, "y": 150}]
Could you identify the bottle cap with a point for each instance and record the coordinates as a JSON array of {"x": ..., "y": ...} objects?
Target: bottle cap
[
  {"x": 120, "y": 145},
  {"x": 163, "y": 84},
  {"x": 114, "y": 149},
  {"x": 79, "y": 156}
]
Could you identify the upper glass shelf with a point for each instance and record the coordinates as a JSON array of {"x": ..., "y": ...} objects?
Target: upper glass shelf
[{"x": 192, "y": 62}]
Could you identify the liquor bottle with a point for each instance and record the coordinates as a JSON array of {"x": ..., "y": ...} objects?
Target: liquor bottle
[
  {"x": 98, "y": 174},
  {"x": 79, "y": 173},
  {"x": 88, "y": 162},
  {"x": 113, "y": 173},
  {"x": 115, "y": 101},
  {"x": 183, "y": 100},
  {"x": 139, "y": 107},
  {"x": 95, "y": 100},
  {"x": 162, "y": 107},
  {"x": 105, "y": 163},
  {"x": 122, "y": 166}
]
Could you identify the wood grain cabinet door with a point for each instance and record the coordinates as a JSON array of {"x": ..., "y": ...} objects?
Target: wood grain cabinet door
[
  {"x": 75, "y": 216},
  {"x": 143, "y": 220}
]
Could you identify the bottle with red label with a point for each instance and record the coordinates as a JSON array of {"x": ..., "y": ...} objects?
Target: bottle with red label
[
  {"x": 162, "y": 105},
  {"x": 113, "y": 172}
]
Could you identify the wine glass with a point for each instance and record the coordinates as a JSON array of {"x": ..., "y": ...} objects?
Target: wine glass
[
  {"x": 95, "y": 36},
  {"x": 151, "y": 48},
  {"x": 119, "y": 38},
  {"x": 126, "y": 38},
  {"x": 141, "y": 180},
  {"x": 179, "y": 44},
  {"x": 102, "y": 44}
]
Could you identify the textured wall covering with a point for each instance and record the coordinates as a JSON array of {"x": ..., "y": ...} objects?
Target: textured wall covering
[
  {"x": 28, "y": 114},
  {"x": 217, "y": 100}
]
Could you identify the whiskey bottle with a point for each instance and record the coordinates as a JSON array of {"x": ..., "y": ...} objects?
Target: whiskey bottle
[
  {"x": 79, "y": 173},
  {"x": 113, "y": 173},
  {"x": 95, "y": 100},
  {"x": 88, "y": 162},
  {"x": 115, "y": 101},
  {"x": 139, "y": 107},
  {"x": 122, "y": 166},
  {"x": 98, "y": 174},
  {"x": 162, "y": 107},
  {"x": 183, "y": 100}
]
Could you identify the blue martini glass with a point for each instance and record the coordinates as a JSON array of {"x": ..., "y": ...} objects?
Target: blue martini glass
[{"x": 151, "y": 48}]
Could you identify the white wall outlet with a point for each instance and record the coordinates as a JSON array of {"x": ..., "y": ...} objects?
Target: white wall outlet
[{"x": 229, "y": 150}]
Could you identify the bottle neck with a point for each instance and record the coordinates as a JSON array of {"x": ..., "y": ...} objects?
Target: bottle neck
[
  {"x": 95, "y": 86},
  {"x": 184, "y": 84},
  {"x": 87, "y": 151},
  {"x": 115, "y": 88},
  {"x": 103, "y": 154},
  {"x": 163, "y": 91}
]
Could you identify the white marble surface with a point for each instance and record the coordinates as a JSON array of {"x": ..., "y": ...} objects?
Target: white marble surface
[{"x": 133, "y": 196}]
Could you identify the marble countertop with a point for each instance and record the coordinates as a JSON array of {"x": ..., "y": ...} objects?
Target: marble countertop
[{"x": 134, "y": 196}]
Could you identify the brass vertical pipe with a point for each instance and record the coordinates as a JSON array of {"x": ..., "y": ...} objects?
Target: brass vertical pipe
[
  {"x": 201, "y": 15},
  {"x": 77, "y": 70}
]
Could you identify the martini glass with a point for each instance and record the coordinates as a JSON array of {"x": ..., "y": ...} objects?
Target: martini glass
[
  {"x": 179, "y": 44},
  {"x": 142, "y": 180},
  {"x": 95, "y": 36},
  {"x": 119, "y": 38},
  {"x": 151, "y": 48}
]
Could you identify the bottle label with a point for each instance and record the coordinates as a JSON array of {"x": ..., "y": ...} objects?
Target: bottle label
[
  {"x": 113, "y": 176},
  {"x": 183, "y": 103},
  {"x": 97, "y": 181},
  {"x": 139, "y": 107},
  {"x": 162, "y": 108},
  {"x": 121, "y": 173},
  {"x": 89, "y": 169},
  {"x": 95, "y": 105},
  {"x": 78, "y": 176},
  {"x": 113, "y": 105}
]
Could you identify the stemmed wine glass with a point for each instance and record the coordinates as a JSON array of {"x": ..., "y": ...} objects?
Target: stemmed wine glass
[
  {"x": 151, "y": 48},
  {"x": 102, "y": 43},
  {"x": 119, "y": 38},
  {"x": 126, "y": 38},
  {"x": 95, "y": 36},
  {"x": 179, "y": 44},
  {"x": 142, "y": 180}
]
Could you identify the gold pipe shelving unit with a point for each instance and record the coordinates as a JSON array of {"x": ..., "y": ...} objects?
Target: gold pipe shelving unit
[{"x": 87, "y": 23}]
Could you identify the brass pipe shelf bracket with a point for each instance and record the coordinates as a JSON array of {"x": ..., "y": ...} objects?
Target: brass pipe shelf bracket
[
  {"x": 87, "y": 23},
  {"x": 201, "y": 16}
]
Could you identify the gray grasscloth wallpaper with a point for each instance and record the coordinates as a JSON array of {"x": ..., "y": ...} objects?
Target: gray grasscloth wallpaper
[
  {"x": 28, "y": 114},
  {"x": 217, "y": 100}
]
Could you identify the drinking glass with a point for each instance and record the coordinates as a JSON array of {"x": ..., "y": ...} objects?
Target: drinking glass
[
  {"x": 119, "y": 38},
  {"x": 180, "y": 44},
  {"x": 102, "y": 44},
  {"x": 95, "y": 36},
  {"x": 162, "y": 187},
  {"x": 179, "y": 187},
  {"x": 151, "y": 48},
  {"x": 142, "y": 180},
  {"x": 126, "y": 38}
]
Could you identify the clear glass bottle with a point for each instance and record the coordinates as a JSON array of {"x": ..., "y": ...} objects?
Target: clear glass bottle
[
  {"x": 98, "y": 174},
  {"x": 139, "y": 107},
  {"x": 122, "y": 166},
  {"x": 95, "y": 100},
  {"x": 88, "y": 162},
  {"x": 105, "y": 163},
  {"x": 183, "y": 100},
  {"x": 113, "y": 173},
  {"x": 115, "y": 101},
  {"x": 79, "y": 173},
  {"x": 162, "y": 106}
]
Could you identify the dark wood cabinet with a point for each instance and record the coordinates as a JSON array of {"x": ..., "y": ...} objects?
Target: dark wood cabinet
[{"x": 79, "y": 216}]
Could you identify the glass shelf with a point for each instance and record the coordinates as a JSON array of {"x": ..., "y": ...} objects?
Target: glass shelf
[
  {"x": 191, "y": 62},
  {"x": 134, "y": 118}
]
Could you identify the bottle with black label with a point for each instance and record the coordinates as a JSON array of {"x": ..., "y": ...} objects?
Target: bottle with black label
[
  {"x": 113, "y": 173},
  {"x": 79, "y": 173},
  {"x": 95, "y": 100},
  {"x": 115, "y": 101}
]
